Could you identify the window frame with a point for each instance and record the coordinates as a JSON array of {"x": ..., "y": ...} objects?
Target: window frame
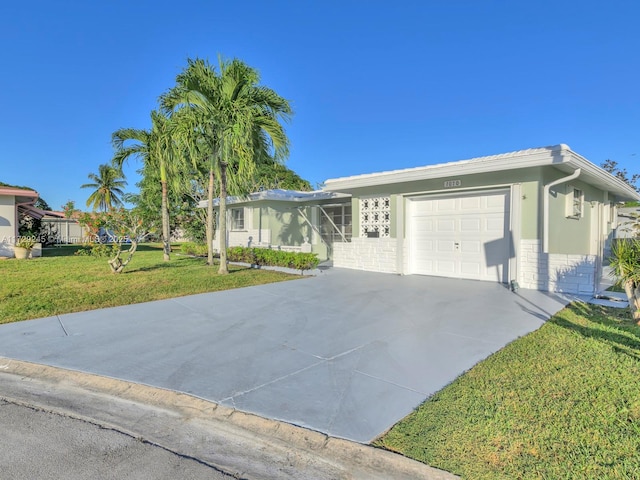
[
  {"x": 575, "y": 202},
  {"x": 235, "y": 220}
]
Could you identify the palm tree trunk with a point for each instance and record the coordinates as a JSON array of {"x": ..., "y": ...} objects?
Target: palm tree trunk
[
  {"x": 166, "y": 243},
  {"x": 210, "y": 219},
  {"x": 634, "y": 303},
  {"x": 633, "y": 295},
  {"x": 223, "y": 270}
]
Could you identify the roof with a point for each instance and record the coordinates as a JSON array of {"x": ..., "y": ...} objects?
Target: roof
[
  {"x": 21, "y": 194},
  {"x": 559, "y": 156},
  {"x": 280, "y": 195},
  {"x": 39, "y": 213}
]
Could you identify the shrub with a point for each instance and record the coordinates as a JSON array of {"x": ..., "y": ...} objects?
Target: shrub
[
  {"x": 192, "y": 248},
  {"x": 99, "y": 250},
  {"x": 274, "y": 258}
]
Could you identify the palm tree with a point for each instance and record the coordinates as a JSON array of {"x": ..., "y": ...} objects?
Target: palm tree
[
  {"x": 240, "y": 122},
  {"x": 108, "y": 185},
  {"x": 157, "y": 149}
]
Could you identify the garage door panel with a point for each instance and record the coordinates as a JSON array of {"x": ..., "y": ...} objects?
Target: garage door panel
[
  {"x": 470, "y": 269},
  {"x": 470, "y": 203},
  {"x": 496, "y": 202},
  {"x": 444, "y": 225},
  {"x": 470, "y": 225},
  {"x": 444, "y": 267},
  {"x": 473, "y": 247},
  {"x": 445, "y": 246},
  {"x": 445, "y": 205},
  {"x": 454, "y": 236},
  {"x": 495, "y": 225}
]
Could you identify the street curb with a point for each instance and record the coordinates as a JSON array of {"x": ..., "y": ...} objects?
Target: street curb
[{"x": 241, "y": 444}]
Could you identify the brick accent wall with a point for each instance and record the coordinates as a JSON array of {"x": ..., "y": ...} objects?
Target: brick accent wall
[
  {"x": 556, "y": 272},
  {"x": 370, "y": 254}
]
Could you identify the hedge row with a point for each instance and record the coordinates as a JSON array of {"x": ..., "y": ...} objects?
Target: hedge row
[
  {"x": 192, "y": 248},
  {"x": 273, "y": 258}
]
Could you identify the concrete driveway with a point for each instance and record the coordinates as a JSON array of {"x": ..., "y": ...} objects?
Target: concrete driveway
[{"x": 346, "y": 353}]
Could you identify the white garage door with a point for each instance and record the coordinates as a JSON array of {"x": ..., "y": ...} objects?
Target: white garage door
[{"x": 462, "y": 236}]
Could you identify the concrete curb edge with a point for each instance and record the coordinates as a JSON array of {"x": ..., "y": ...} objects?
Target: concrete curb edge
[{"x": 241, "y": 444}]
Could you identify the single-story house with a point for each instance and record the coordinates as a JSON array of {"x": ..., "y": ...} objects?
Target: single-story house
[
  {"x": 628, "y": 222},
  {"x": 13, "y": 203},
  {"x": 541, "y": 218},
  {"x": 60, "y": 229}
]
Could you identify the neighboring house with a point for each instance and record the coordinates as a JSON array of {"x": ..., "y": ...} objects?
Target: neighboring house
[
  {"x": 62, "y": 230},
  {"x": 541, "y": 217},
  {"x": 13, "y": 203},
  {"x": 628, "y": 222}
]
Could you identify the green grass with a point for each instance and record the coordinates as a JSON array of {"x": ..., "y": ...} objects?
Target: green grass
[
  {"x": 560, "y": 403},
  {"x": 60, "y": 282}
]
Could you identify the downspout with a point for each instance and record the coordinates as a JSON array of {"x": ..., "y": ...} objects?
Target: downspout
[{"x": 545, "y": 200}]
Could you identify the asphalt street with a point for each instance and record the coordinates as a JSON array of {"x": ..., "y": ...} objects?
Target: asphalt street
[{"x": 45, "y": 445}]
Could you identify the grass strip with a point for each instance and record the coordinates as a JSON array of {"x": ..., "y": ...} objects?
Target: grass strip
[
  {"x": 61, "y": 282},
  {"x": 560, "y": 403}
]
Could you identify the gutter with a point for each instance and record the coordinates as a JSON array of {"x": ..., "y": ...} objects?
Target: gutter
[{"x": 545, "y": 200}]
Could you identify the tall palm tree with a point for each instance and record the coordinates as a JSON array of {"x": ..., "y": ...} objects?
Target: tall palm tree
[
  {"x": 240, "y": 122},
  {"x": 157, "y": 149},
  {"x": 108, "y": 185}
]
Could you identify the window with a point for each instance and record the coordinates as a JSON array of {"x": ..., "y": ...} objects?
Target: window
[
  {"x": 340, "y": 215},
  {"x": 575, "y": 202},
  {"x": 237, "y": 219}
]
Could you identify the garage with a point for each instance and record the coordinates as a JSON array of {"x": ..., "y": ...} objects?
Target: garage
[{"x": 461, "y": 235}]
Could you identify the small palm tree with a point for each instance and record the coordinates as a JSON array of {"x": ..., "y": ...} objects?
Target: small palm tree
[
  {"x": 240, "y": 123},
  {"x": 158, "y": 149},
  {"x": 108, "y": 185},
  {"x": 625, "y": 264}
]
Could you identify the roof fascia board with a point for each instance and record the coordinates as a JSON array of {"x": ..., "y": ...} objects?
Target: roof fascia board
[
  {"x": 612, "y": 183},
  {"x": 267, "y": 196},
  {"x": 463, "y": 167},
  {"x": 549, "y": 156},
  {"x": 18, "y": 192}
]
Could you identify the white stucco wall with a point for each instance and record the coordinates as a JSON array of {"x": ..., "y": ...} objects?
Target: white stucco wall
[{"x": 7, "y": 225}]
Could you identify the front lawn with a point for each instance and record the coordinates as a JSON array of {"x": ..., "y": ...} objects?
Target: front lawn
[
  {"x": 60, "y": 282},
  {"x": 560, "y": 403}
]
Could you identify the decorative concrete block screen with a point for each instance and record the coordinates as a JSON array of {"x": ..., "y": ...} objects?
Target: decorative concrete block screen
[
  {"x": 556, "y": 272},
  {"x": 375, "y": 217}
]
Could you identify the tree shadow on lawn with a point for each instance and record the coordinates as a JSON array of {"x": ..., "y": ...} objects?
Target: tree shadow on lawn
[
  {"x": 70, "y": 250},
  {"x": 176, "y": 263},
  {"x": 625, "y": 340}
]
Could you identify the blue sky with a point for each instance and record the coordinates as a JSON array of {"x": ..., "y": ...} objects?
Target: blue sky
[{"x": 375, "y": 85}]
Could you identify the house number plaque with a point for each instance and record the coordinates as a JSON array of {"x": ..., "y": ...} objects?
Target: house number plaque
[{"x": 452, "y": 183}]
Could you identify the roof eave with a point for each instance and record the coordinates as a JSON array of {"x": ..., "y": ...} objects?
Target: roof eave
[
  {"x": 18, "y": 192},
  {"x": 602, "y": 178},
  {"x": 463, "y": 167},
  {"x": 559, "y": 156},
  {"x": 278, "y": 196}
]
